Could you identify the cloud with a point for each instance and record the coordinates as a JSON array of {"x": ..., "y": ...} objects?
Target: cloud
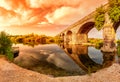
[
  {"x": 50, "y": 16},
  {"x": 24, "y": 12},
  {"x": 41, "y": 29},
  {"x": 52, "y": 3},
  {"x": 69, "y": 15}
]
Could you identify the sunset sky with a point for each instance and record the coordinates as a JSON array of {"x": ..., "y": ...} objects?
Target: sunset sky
[{"x": 47, "y": 17}]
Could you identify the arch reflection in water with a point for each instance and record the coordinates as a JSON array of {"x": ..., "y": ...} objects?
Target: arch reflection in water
[{"x": 88, "y": 57}]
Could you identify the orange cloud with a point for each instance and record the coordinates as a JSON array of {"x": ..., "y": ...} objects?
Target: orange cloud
[
  {"x": 44, "y": 4},
  {"x": 24, "y": 12},
  {"x": 44, "y": 29},
  {"x": 60, "y": 13},
  {"x": 69, "y": 15}
]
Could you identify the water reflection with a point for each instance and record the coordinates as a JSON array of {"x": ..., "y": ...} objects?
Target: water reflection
[
  {"x": 89, "y": 58},
  {"x": 108, "y": 58},
  {"x": 45, "y": 55},
  {"x": 73, "y": 58}
]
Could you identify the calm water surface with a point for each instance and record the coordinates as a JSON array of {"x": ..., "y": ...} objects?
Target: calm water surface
[{"x": 71, "y": 58}]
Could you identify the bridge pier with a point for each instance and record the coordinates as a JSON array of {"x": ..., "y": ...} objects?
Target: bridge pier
[
  {"x": 81, "y": 38},
  {"x": 62, "y": 37},
  {"x": 108, "y": 39},
  {"x": 74, "y": 39}
]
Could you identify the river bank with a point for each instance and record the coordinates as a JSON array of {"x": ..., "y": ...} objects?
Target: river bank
[{"x": 10, "y": 72}]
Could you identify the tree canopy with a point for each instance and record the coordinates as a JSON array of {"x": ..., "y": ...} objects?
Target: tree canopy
[
  {"x": 99, "y": 17},
  {"x": 113, "y": 11},
  {"x": 5, "y": 45}
]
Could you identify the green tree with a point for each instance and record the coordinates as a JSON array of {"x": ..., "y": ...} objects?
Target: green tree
[
  {"x": 113, "y": 11},
  {"x": 5, "y": 45},
  {"x": 99, "y": 17}
]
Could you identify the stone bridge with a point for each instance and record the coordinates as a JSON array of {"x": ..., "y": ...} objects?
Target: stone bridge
[
  {"x": 81, "y": 56},
  {"x": 77, "y": 33}
]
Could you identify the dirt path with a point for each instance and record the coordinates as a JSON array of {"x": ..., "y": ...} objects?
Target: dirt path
[{"x": 10, "y": 72}]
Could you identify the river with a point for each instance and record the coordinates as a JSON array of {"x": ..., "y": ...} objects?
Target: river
[{"x": 76, "y": 59}]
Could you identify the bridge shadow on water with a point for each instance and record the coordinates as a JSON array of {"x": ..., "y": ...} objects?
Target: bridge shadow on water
[{"x": 89, "y": 58}]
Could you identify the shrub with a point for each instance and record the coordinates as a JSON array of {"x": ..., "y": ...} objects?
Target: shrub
[{"x": 5, "y": 45}]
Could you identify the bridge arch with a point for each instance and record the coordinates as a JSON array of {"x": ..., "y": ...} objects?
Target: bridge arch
[
  {"x": 82, "y": 34},
  {"x": 68, "y": 36},
  {"x": 85, "y": 28},
  {"x": 117, "y": 27},
  {"x": 62, "y": 36}
]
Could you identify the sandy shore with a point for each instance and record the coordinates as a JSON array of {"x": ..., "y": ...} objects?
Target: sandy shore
[{"x": 10, "y": 72}]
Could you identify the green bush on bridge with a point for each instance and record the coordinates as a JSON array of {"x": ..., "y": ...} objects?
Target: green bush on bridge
[
  {"x": 113, "y": 11},
  {"x": 99, "y": 18}
]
